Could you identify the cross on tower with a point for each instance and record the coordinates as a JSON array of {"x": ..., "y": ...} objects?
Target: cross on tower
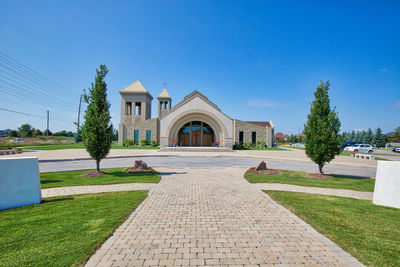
[{"x": 165, "y": 85}]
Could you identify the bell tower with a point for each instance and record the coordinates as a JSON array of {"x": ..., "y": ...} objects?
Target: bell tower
[
  {"x": 164, "y": 103},
  {"x": 135, "y": 108}
]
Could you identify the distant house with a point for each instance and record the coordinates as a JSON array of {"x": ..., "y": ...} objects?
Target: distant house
[
  {"x": 280, "y": 136},
  {"x": 4, "y": 133},
  {"x": 389, "y": 136}
]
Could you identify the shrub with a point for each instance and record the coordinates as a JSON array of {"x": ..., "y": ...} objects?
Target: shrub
[
  {"x": 13, "y": 133},
  {"x": 261, "y": 145},
  {"x": 237, "y": 146},
  {"x": 247, "y": 145},
  {"x": 143, "y": 142},
  {"x": 128, "y": 142},
  {"x": 153, "y": 143}
]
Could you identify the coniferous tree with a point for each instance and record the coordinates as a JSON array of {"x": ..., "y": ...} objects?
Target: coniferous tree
[
  {"x": 352, "y": 136},
  {"x": 369, "y": 136},
  {"x": 97, "y": 130},
  {"x": 322, "y": 129},
  {"x": 380, "y": 139}
]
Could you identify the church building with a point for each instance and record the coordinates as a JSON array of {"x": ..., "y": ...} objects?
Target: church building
[{"x": 193, "y": 122}]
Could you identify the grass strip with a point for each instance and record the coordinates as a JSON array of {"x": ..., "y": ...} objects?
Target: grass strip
[
  {"x": 113, "y": 176},
  {"x": 303, "y": 179},
  {"x": 62, "y": 231},
  {"x": 369, "y": 232}
]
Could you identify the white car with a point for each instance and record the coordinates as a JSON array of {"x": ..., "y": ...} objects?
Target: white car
[{"x": 360, "y": 148}]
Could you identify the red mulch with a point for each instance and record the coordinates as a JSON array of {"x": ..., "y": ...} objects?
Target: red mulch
[
  {"x": 318, "y": 175},
  {"x": 94, "y": 174},
  {"x": 133, "y": 170},
  {"x": 253, "y": 170}
]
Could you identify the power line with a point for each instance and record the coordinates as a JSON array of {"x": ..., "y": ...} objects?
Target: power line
[
  {"x": 31, "y": 72},
  {"x": 28, "y": 80},
  {"x": 33, "y": 115}
]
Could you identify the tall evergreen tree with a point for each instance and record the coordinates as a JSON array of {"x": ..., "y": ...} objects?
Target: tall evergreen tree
[
  {"x": 368, "y": 137},
  {"x": 380, "y": 138},
  {"x": 357, "y": 137},
  {"x": 97, "y": 130},
  {"x": 352, "y": 136},
  {"x": 322, "y": 129}
]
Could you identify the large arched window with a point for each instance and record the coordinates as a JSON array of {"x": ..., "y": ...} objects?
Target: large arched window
[{"x": 196, "y": 133}]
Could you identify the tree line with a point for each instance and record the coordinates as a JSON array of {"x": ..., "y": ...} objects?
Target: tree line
[
  {"x": 26, "y": 130},
  {"x": 376, "y": 138}
]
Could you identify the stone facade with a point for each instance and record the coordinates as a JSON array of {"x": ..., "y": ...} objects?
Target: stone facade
[
  {"x": 262, "y": 133},
  {"x": 196, "y": 108}
]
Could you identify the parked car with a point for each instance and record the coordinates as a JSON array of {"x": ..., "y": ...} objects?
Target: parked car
[
  {"x": 297, "y": 144},
  {"x": 346, "y": 144},
  {"x": 360, "y": 148},
  {"x": 396, "y": 149},
  {"x": 17, "y": 140}
]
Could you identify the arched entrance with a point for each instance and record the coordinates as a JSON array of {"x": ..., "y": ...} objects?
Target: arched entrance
[{"x": 196, "y": 133}]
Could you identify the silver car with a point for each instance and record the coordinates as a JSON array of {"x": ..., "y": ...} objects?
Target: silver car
[{"x": 360, "y": 148}]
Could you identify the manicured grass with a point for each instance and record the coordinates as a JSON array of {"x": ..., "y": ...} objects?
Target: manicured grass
[
  {"x": 113, "y": 176},
  {"x": 55, "y": 146},
  {"x": 302, "y": 178},
  {"x": 79, "y": 146},
  {"x": 62, "y": 231},
  {"x": 260, "y": 149},
  {"x": 368, "y": 232}
]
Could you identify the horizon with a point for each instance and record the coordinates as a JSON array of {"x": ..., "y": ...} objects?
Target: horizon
[{"x": 257, "y": 62}]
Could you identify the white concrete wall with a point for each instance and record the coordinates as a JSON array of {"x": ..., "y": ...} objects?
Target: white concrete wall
[
  {"x": 19, "y": 182},
  {"x": 387, "y": 184},
  {"x": 196, "y": 104}
]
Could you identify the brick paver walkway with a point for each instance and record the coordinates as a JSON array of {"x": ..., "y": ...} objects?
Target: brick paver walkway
[{"x": 201, "y": 217}]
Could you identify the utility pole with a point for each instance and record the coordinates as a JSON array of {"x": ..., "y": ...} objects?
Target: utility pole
[
  {"x": 79, "y": 110},
  {"x": 47, "y": 123}
]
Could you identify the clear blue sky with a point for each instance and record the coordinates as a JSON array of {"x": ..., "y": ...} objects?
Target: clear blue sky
[{"x": 257, "y": 60}]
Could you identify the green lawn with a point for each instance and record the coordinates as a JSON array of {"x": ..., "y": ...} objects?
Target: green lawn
[
  {"x": 368, "y": 232},
  {"x": 62, "y": 231},
  {"x": 76, "y": 146},
  {"x": 268, "y": 148},
  {"x": 302, "y": 178},
  {"x": 114, "y": 176}
]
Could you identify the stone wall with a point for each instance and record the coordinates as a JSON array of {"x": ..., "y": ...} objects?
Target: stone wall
[
  {"x": 143, "y": 126},
  {"x": 262, "y": 133}
]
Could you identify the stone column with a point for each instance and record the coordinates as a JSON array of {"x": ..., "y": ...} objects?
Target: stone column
[
  {"x": 201, "y": 133},
  {"x": 190, "y": 135}
]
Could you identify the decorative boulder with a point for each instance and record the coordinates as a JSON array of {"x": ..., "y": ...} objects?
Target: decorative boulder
[
  {"x": 262, "y": 166},
  {"x": 140, "y": 165}
]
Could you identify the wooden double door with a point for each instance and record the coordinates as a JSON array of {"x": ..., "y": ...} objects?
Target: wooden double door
[{"x": 195, "y": 130}]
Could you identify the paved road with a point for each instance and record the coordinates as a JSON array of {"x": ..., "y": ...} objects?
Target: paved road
[{"x": 204, "y": 162}]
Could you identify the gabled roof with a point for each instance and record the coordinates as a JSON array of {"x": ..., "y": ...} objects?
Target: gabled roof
[
  {"x": 261, "y": 123},
  {"x": 389, "y": 134},
  {"x": 164, "y": 94},
  {"x": 192, "y": 95},
  {"x": 135, "y": 87}
]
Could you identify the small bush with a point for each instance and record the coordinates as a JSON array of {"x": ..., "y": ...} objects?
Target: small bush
[
  {"x": 143, "y": 142},
  {"x": 261, "y": 145},
  {"x": 153, "y": 143},
  {"x": 237, "y": 146},
  {"x": 13, "y": 133},
  {"x": 247, "y": 145},
  {"x": 128, "y": 142}
]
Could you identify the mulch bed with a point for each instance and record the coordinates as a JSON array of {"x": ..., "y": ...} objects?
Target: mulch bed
[
  {"x": 94, "y": 174},
  {"x": 253, "y": 170},
  {"x": 318, "y": 175},
  {"x": 133, "y": 170}
]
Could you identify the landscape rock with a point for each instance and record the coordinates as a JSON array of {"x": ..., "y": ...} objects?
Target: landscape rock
[
  {"x": 140, "y": 165},
  {"x": 262, "y": 166}
]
